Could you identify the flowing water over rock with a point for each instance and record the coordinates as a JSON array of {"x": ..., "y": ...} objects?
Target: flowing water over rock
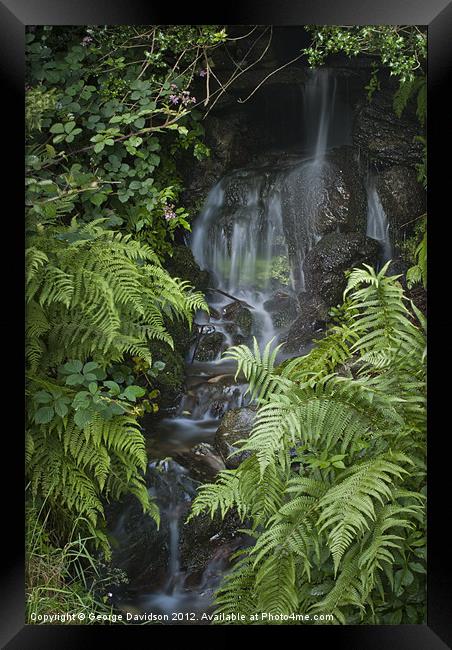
[
  {"x": 377, "y": 223},
  {"x": 258, "y": 227}
]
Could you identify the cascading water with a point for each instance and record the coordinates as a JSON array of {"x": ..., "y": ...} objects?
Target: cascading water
[
  {"x": 244, "y": 239},
  {"x": 377, "y": 223},
  {"x": 239, "y": 237},
  {"x": 242, "y": 231}
]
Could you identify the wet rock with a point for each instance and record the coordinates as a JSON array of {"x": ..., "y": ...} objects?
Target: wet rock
[
  {"x": 204, "y": 539},
  {"x": 214, "y": 314},
  {"x": 211, "y": 398},
  {"x": 139, "y": 547},
  {"x": 283, "y": 309},
  {"x": 402, "y": 197},
  {"x": 328, "y": 196},
  {"x": 313, "y": 318},
  {"x": 382, "y": 136},
  {"x": 335, "y": 253},
  {"x": 235, "y": 425},
  {"x": 183, "y": 265},
  {"x": 236, "y": 192},
  {"x": 240, "y": 315},
  {"x": 202, "y": 461},
  {"x": 210, "y": 346}
]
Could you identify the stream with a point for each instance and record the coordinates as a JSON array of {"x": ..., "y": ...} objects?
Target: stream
[{"x": 241, "y": 238}]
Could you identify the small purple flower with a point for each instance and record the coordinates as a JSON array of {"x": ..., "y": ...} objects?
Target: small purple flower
[
  {"x": 202, "y": 73},
  {"x": 86, "y": 41},
  {"x": 168, "y": 212},
  {"x": 174, "y": 99}
]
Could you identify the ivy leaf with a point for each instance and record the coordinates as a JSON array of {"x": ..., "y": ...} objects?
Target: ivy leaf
[
  {"x": 90, "y": 366},
  {"x": 98, "y": 198},
  {"x": 139, "y": 123},
  {"x": 69, "y": 126},
  {"x": 113, "y": 387},
  {"x": 407, "y": 578},
  {"x": 44, "y": 415}
]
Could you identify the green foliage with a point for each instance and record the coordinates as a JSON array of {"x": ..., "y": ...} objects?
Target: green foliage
[
  {"x": 94, "y": 298},
  {"x": 111, "y": 109},
  {"x": 333, "y": 491},
  {"x": 65, "y": 580},
  {"x": 418, "y": 272},
  {"x": 403, "y": 50},
  {"x": 104, "y": 134}
]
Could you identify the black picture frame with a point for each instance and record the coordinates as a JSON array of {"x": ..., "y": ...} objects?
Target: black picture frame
[{"x": 14, "y": 16}]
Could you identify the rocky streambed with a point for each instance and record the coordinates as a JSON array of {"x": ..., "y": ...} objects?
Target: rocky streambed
[{"x": 270, "y": 249}]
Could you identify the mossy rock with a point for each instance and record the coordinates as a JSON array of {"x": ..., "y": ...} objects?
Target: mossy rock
[
  {"x": 240, "y": 315},
  {"x": 235, "y": 425},
  {"x": 210, "y": 346},
  {"x": 183, "y": 265}
]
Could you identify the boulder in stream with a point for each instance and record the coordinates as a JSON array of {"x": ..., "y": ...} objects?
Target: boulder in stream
[
  {"x": 239, "y": 315},
  {"x": 335, "y": 253},
  {"x": 313, "y": 318},
  {"x": 402, "y": 196},
  {"x": 235, "y": 425},
  {"x": 210, "y": 346},
  {"x": 202, "y": 461},
  {"x": 283, "y": 309}
]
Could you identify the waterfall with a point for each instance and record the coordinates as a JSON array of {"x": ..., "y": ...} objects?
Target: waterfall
[
  {"x": 241, "y": 233},
  {"x": 318, "y": 103},
  {"x": 377, "y": 223}
]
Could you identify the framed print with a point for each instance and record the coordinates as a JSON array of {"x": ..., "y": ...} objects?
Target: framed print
[{"x": 226, "y": 413}]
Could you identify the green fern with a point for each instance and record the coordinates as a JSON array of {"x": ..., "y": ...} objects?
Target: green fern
[
  {"x": 92, "y": 295},
  {"x": 337, "y": 466}
]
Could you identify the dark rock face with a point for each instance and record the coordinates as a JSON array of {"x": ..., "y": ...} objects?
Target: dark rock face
[
  {"x": 328, "y": 195},
  {"x": 319, "y": 198},
  {"x": 204, "y": 539},
  {"x": 282, "y": 308},
  {"x": 210, "y": 346},
  {"x": 313, "y": 317},
  {"x": 384, "y": 137},
  {"x": 183, "y": 265},
  {"x": 326, "y": 263},
  {"x": 235, "y": 425},
  {"x": 401, "y": 195},
  {"x": 240, "y": 315}
]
